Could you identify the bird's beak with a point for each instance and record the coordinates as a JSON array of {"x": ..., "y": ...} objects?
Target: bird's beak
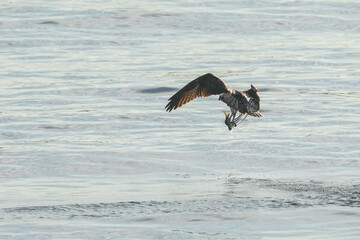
[{"x": 226, "y": 115}]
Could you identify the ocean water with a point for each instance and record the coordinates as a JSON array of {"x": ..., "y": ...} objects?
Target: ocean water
[{"x": 87, "y": 150}]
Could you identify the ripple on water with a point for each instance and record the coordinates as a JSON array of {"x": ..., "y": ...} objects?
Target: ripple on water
[{"x": 288, "y": 195}]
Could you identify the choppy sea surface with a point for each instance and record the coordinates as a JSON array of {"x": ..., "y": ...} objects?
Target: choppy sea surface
[{"x": 87, "y": 150}]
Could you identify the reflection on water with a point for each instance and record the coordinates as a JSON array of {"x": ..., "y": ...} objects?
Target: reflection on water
[{"x": 85, "y": 139}]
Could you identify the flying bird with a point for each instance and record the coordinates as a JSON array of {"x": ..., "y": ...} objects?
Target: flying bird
[{"x": 244, "y": 102}]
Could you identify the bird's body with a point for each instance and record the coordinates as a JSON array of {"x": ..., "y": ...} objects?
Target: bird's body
[{"x": 245, "y": 102}]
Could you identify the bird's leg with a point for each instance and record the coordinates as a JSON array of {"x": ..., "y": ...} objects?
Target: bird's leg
[
  {"x": 233, "y": 117},
  {"x": 233, "y": 114}
]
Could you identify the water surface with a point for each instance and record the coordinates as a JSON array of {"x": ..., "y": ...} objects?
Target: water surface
[{"x": 87, "y": 150}]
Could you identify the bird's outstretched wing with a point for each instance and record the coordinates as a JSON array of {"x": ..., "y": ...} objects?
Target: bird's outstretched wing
[{"x": 202, "y": 86}]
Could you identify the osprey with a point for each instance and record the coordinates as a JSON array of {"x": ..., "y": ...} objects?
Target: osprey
[{"x": 244, "y": 102}]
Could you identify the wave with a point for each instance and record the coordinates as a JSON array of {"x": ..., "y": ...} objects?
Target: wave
[{"x": 297, "y": 195}]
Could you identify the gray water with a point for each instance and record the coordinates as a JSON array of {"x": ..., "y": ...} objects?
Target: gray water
[{"x": 87, "y": 150}]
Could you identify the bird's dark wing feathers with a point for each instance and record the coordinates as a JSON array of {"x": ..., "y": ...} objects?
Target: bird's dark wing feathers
[
  {"x": 239, "y": 101},
  {"x": 244, "y": 101},
  {"x": 202, "y": 86}
]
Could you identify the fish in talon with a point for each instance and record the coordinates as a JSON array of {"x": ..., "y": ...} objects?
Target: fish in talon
[{"x": 229, "y": 124}]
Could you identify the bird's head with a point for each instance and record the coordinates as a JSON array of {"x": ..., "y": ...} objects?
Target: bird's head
[
  {"x": 253, "y": 92},
  {"x": 253, "y": 88}
]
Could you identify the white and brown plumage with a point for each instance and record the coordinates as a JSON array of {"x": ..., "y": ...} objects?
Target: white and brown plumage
[{"x": 245, "y": 102}]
